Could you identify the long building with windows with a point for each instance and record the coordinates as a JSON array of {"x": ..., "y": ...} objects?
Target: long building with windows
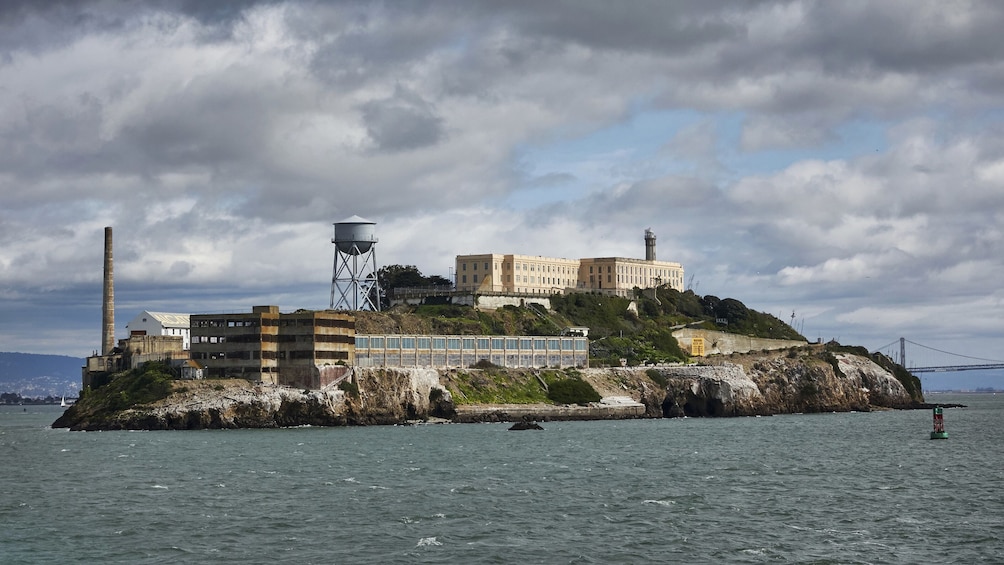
[
  {"x": 532, "y": 274},
  {"x": 467, "y": 350}
]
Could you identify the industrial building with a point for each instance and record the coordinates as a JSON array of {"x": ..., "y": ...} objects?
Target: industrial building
[{"x": 270, "y": 347}]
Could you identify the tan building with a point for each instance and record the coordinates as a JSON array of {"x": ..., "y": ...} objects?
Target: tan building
[
  {"x": 529, "y": 274},
  {"x": 620, "y": 275},
  {"x": 517, "y": 274},
  {"x": 267, "y": 346}
]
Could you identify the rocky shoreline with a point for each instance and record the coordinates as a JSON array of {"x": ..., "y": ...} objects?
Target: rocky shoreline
[{"x": 746, "y": 385}]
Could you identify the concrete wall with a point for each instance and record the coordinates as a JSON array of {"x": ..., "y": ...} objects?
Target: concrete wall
[
  {"x": 723, "y": 343},
  {"x": 139, "y": 349},
  {"x": 496, "y": 302},
  {"x": 313, "y": 377}
]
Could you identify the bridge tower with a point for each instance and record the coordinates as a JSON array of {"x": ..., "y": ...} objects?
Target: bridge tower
[{"x": 902, "y": 351}]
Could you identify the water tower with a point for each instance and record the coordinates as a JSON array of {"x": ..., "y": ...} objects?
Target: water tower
[{"x": 354, "y": 279}]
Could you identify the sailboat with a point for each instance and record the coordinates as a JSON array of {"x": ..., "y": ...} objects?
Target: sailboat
[{"x": 62, "y": 402}]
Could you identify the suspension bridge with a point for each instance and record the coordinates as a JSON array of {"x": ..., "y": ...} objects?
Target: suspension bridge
[{"x": 935, "y": 360}]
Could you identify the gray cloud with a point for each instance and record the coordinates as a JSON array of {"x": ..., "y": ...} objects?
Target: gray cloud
[
  {"x": 402, "y": 121},
  {"x": 221, "y": 139}
]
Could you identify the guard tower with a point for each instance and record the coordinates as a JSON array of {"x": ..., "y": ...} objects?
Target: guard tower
[{"x": 354, "y": 278}]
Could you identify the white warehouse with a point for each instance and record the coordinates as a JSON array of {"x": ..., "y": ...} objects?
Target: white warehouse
[{"x": 161, "y": 323}]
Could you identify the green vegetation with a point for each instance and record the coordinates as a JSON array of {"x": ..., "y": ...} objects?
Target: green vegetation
[
  {"x": 404, "y": 276},
  {"x": 497, "y": 385},
  {"x": 350, "y": 387},
  {"x": 573, "y": 391},
  {"x": 147, "y": 383},
  {"x": 657, "y": 377}
]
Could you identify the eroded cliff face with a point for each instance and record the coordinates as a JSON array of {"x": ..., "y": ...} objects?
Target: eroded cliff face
[
  {"x": 746, "y": 385},
  {"x": 370, "y": 396},
  {"x": 781, "y": 384},
  {"x": 393, "y": 396},
  {"x": 214, "y": 404}
]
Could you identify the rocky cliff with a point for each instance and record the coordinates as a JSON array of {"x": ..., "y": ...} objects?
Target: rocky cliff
[{"x": 739, "y": 385}]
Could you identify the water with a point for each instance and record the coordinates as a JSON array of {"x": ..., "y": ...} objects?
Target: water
[{"x": 830, "y": 488}]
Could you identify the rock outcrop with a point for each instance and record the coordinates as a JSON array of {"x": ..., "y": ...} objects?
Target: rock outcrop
[{"x": 799, "y": 380}]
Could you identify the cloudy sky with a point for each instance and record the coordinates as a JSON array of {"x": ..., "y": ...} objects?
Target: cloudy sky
[{"x": 840, "y": 160}]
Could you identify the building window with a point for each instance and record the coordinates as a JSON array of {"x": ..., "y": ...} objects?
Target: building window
[
  {"x": 486, "y": 265},
  {"x": 475, "y": 278}
]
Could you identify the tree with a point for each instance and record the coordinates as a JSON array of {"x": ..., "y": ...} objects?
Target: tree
[
  {"x": 436, "y": 280},
  {"x": 404, "y": 276}
]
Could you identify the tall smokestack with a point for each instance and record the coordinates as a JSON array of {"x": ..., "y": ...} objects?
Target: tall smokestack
[
  {"x": 108, "y": 300},
  {"x": 649, "y": 245}
]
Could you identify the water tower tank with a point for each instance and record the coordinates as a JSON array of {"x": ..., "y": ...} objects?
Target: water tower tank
[{"x": 355, "y": 235}]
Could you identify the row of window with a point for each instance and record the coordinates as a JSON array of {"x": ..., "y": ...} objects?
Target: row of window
[
  {"x": 224, "y": 323},
  {"x": 282, "y": 322},
  {"x": 472, "y": 343},
  {"x": 554, "y": 281},
  {"x": 256, "y": 355},
  {"x": 466, "y": 359},
  {"x": 273, "y": 338}
]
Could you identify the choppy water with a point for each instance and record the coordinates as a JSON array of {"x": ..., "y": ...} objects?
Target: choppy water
[{"x": 831, "y": 488}]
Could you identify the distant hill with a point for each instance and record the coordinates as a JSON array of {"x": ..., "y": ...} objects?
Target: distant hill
[{"x": 33, "y": 375}]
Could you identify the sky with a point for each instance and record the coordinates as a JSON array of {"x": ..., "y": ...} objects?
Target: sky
[{"x": 842, "y": 162}]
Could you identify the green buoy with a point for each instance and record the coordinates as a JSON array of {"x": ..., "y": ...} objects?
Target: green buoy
[{"x": 939, "y": 425}]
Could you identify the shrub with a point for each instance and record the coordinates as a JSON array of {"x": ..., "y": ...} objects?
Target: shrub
[
  {"x": 657, "y": 377},
  {"x": 484, "y": 364},
  {"x": 350, "y": 388},
  {"x": 572, "y": 391}
]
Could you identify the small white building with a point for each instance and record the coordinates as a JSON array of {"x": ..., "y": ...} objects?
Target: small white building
[{"x": 161, "y": 323}]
